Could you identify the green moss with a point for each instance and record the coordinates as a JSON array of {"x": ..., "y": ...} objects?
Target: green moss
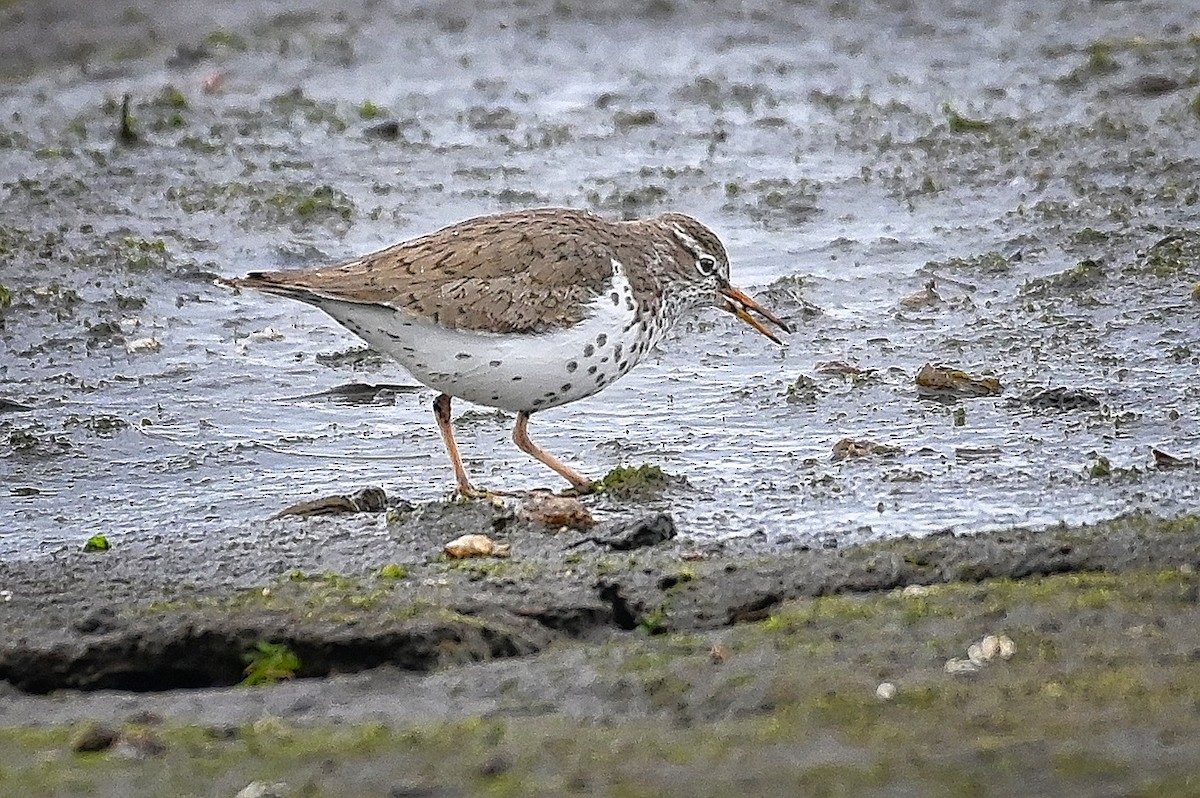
[
  {"x": 804, "y": 390},
  {"x": 170, "y": 98},
  {"x": 369, "y": 110},
  {"x": 643, "y": 482},
  {"x": 140, "y": 253},
  {"x": 392, "y": 572},
  {"x": 97, "y": 543},
  {"x": 1173, "y": 256},
  {"x": 1099, "y": 62},
  {"x": 1096, "y": 598},
  {"x": 100, "y": 424},
  {"x": 295, "y": 103},
  {"x": 654, "y": 622},
  {"x": 321, "y": 201},
  {"x": 479, "y": 568},
  {"x": 200, "y": 145},
  {"x": 171, "y": 121},
  {"x": 1090, "y": 235},
  {"x": 1077, "y": 765},
  {"x": 679, "y": 579},
  {"x": 987, "y": 263},
  {"x": 269, "y": 663},
  {"x": 226, "y": 39},
  {"x": 961, "y": 124}
]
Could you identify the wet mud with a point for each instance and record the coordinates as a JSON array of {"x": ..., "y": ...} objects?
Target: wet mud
[{"x": 979, "y": 218}]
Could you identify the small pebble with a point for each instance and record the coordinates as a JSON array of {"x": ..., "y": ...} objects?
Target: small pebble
[
  {"x": 94, "y": 737},
  {"x": 886, "y": 691},
  {"x": 261, "y": 789},
  {"x": 143, "y": 345}
]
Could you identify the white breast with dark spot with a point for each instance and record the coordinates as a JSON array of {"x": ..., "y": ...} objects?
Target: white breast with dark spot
[{"x": 510, "y": 371}]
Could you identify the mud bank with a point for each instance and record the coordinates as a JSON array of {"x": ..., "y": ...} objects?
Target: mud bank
[{"x": 569, "y": 668}]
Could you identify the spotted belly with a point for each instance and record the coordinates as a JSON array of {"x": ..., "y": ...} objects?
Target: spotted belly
[{"x": 509, "y": 371}]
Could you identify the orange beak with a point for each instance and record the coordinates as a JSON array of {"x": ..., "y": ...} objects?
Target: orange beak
[{"x": 740, "y": 305}]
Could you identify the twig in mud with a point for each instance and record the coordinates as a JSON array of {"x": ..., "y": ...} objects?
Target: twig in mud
[{"x": 126, "y": 134}]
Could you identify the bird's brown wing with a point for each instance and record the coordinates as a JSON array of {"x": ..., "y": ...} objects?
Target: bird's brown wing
[{"x": 515, "y": 272}]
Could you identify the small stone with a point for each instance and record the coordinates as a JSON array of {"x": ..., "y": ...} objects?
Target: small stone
[
  {"x": 365, "y": 500},
  {"x": 475, "y": 546},
  {"x": 648, "y": 531},
  {"x": 567, "y": 512},
  {"x": 94, "y": 737},
  {"x": 139, "y": 744},
  {"x": 848, "y": 447},
  {"x": 386, "y": 131},
  {"x": 262, "y": 789},
  {"x": 928, "y": 297},
  {"x": 496, "y": 765},
  {"x": 886, "y": 691},
  {"x": 99, "y": 621},
  {"x": 939, "y": 380}
]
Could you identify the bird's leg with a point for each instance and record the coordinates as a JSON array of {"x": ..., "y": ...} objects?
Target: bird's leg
[
  {"x": 521, "y": 438},
  {"x": 441, "y": 411}
]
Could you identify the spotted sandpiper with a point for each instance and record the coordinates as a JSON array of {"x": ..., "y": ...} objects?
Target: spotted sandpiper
[{"x": 524, "y": 310}]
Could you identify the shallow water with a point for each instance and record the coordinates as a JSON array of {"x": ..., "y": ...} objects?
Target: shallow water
[{"x": 822, "y": 143}]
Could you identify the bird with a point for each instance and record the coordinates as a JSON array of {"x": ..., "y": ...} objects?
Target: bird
[{"x": 524, "y": 310}]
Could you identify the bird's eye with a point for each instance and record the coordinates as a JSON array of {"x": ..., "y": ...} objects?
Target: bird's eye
[{"x": 706, "y": 266}]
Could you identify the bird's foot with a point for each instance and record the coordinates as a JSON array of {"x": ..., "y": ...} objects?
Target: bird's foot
[
  {"x": 585, "y": 489},
  {"x": 472, "y": 493}
]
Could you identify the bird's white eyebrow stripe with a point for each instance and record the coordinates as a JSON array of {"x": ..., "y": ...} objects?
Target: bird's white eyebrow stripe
[
  {"x": 687, "y": 240},
  {"x": 691, "y": 243}
]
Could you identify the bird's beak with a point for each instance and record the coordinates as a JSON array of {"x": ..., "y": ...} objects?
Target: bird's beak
[{"x": 740, "y": 305}]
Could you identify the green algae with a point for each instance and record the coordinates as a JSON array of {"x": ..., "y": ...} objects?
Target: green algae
[
  {"x": 962, "y": 124},
  {"x": 638, "y": 483},
  {"x": 269, "y": 663}
]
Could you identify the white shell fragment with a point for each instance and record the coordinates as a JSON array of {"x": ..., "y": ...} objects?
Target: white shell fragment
[
  {"x": 886, "y": 691},
  {"x": 957, "y": 666},
  {"x": 262, "y": 789},
  {"x": 475, "y": 546},
  {"x": 982, "y": 652},
  {"x": 143, "y": 345},
  {"x": 265, "y": 334}
]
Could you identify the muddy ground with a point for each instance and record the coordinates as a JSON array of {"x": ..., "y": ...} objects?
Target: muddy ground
[
  {"x": 996, "y": 595},
  {"x": 571, "y": 668}
]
